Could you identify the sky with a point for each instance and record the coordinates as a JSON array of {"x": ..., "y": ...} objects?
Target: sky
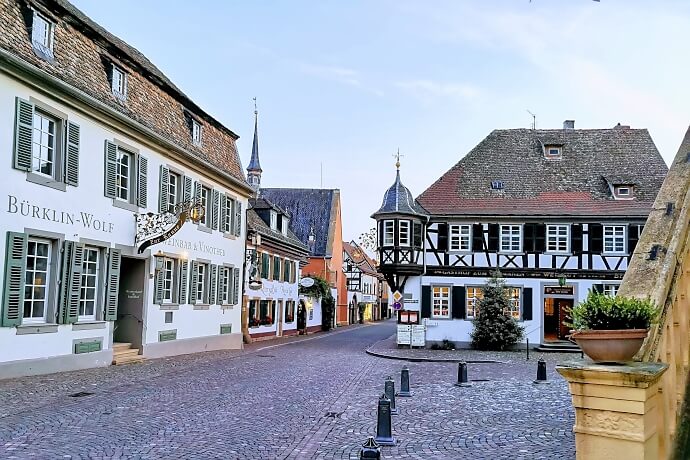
[{"x": 342, "y": 85}]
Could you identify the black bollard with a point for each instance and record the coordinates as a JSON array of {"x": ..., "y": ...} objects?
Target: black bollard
[
  {"x": 462, "y": 375},
  {"x": 370, "y": 449},
  {"x": 389, "y": 388},
  {"x": 405, "y": 383},
  {"x": 527, "y": 349},
  {"x": 541, "y": 371},
  {"x": 384, "y": 426}
]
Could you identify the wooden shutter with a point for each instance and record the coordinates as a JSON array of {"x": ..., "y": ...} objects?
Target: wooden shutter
[
  {"x": 221, "y": 284},
  {"x": 494, "y": 237},
  {"x": 426, "y": 302},
  {"x": 236, "y": 286},
  {"x": 195, "y": 280},
  {"x": 72, "y": 154},
  {"x": 477, "y": 238},
  {"x": 286, "y": 270},
  {"x": 110, "y": 169},
  {"x": 529, "y": 238},
  {"x": 238, "y": 218},
  {"x": 576, "y": 238},
  {"x": 113, "y": 286},
  {"x": 539, "y": 238},
  {"x": 633, "y": 237},
  {"x": 71, "y": 275},
  {"x": 187, "y": 188},
  {"x": 527, "y": 304},
  {"x": 158, "y": 283},
  {"x": 442, "y": 237},
  {"x": 23, "y": 133},
  {"x": 222, "y": 216},
  {"x": 596, "y": 238},
  {"x": 458, "y": 302},
  {"x": 142, "y": 184},
  {"x": 212, "y": 284},
  {"x": 15, "y": 266},
  {"x": 265, "y": 265},
  {"x": 276, "y": 268},
  {"x": 184, "y": 278},
  {"x": 197, "y": 191},
  {"x": 163, "y": 189},
  {"x": 215, "y": 194}
]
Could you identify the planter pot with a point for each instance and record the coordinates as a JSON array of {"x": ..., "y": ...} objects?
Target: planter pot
[{"x": 614, "y": 346}]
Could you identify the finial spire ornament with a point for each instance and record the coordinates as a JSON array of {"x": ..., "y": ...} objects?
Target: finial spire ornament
[
  {"x": 254, "y": 169},
  {"x": 256, "y": 112},
  {"x": 397, "y": 159}
]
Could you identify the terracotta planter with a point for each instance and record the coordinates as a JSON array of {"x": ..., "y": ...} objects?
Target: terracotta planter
[{"x": 614, "y": 346}]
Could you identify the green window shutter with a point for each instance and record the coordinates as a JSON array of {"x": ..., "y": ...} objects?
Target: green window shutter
[
  {"x": 142, "y": 184},
  {"x": 214, "y": 217},
  {"x": 72, "y": 277},
  {"x": 110, "y": 169},
  {"x": 286, "y": 271},
  {"x": 113, "y": 286},
  {"x": 65, "y": 267},
  {"x": 222, "y": 215},
  {"x": 72, "y": 154},
  {"x": 164, "y": 336},
  {"x": 276, "y": 268},
  {"x": 238, "y": 218},
  {"x": 195, "y": 278},
  {"x": 221, "y": 284},
  {"x": 197, "y": 191},
  {"x": 264, "y": 265},
  {"x": 23, "y": 132},
  {"x": 15, "y": 266},
  {"x": 233, "y": 215},
  {"x": 163, "y": 189},
  {"x": 212, "y": 284},
  {"x": 184, "y": 276},
  {"x": 187, "y": 188},
  {"x": 236, "y": 286},
  {"x": 158, "y": 285}
]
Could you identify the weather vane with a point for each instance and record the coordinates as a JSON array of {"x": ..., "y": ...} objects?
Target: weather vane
[
  {"x": 255, "y": 111},
  {"x": 397, "y": 158}
]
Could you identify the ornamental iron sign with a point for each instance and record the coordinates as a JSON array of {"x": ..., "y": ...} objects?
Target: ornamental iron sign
[{"x": 156, "y": 228}]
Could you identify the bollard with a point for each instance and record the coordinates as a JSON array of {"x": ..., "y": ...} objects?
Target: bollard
[
  {"x": 541, "y": 371},
  {"x": 462, "y": 375},
  {"x": 384, "y": 426},
  {"x": 528, "y": 349},
  {"x": 389, "y": 388},
  {"x": 370, "y": 449},
  {"x": 405, "y": 383}
]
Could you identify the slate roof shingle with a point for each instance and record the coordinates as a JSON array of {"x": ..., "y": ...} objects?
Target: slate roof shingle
[
  {"x": 575, "y": 185},
  {"x": 399, "y": 200},
  {"x": 256, "y": 223}
]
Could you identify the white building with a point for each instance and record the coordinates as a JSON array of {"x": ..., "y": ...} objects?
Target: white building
[
  {"x": 558, "y": 212},
  {"x": 363, "y": 284},
  {"x": 96, "y": 135}
]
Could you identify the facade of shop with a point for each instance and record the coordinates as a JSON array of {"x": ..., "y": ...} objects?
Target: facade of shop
[
  {"x": 557, "y": 212},
  {"x": 90, "y": 161}
]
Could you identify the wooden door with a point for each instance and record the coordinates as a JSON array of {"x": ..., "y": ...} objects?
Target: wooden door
[{"x": 564, "y": 306}]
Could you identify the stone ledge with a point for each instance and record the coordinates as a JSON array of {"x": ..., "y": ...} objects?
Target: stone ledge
[{"x": 633, "y": 374}]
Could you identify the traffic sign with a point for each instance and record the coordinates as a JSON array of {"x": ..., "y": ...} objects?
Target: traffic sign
[
  {"x": 397, "y": 305},
  {"x": 397, "y": 296}
]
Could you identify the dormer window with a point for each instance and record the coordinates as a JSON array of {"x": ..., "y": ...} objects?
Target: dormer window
[
  {"x": 274, "y": 221},
  {"x": 623, "y": 192},
  {"x": 196, "y": 132},
  {"x": 553, "y": 152},
  {"x": 42, "y": 33},
  {"x": 497, "y": 185},
  {"x": 284, "y": 226},
  {"x": 119, "y": 82}
]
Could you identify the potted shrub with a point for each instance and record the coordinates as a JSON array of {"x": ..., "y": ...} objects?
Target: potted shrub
[{"x": 611, "y": 329}]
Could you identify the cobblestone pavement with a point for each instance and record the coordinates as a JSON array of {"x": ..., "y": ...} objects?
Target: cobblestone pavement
[{"x": 271, "y": 402}]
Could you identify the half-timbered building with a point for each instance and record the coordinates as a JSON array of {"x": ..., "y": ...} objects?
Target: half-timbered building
[
  {"x": 364, "y": 293},
  {"x": 557, "y": 212}
]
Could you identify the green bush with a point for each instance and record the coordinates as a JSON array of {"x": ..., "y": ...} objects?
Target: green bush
[
  {"x": 492, "y": 328},
  {"x": 603, "y": 312}
]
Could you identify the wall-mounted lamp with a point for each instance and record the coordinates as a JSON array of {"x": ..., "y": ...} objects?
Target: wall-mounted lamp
[{"x": 561, "y": 281}]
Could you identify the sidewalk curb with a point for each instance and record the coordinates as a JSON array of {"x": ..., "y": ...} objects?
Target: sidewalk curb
[{"x": 377, "y": 354}]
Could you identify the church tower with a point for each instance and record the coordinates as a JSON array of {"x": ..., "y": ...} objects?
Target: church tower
[{"x": 254, "y": 168}]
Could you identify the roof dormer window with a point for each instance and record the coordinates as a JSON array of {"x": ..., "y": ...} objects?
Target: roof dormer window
[
  {"x": 119, "y": 82},
  {"x": 497, "y": 185},
  {"x": 553, "y": 152},
  {"x": 623, "y": 192},
  {"x": 274, "y": 221},
  {"x": 284, "y": 226},
  {"x": 196, "y": 132},
  {"x": 42, "y": 36}
]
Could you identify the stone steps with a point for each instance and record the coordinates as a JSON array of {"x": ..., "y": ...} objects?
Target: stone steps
[{"x": 124, "y": 353}]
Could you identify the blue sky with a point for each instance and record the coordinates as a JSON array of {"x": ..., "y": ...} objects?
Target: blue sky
[{"x": 343, "y": 84}]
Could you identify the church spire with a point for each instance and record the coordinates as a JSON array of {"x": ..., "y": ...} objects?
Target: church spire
[{"x": 254, "y": 169}]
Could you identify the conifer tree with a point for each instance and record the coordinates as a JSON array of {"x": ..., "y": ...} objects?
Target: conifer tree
[{"x": 493, "y": 328}]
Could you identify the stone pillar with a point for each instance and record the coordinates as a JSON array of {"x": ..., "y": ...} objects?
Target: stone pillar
[{"x": 615, "y": 409}]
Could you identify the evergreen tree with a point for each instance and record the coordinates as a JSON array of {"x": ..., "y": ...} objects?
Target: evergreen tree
[{"x": 493, "y": 329}]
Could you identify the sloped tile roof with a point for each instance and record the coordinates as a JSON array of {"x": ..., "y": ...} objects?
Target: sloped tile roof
[
  {"x": 575, "y": 185},
  {"x": 310, "y": 209},
  {"x": 256, "y": 223},
  {"x": 360, "y": 258}
]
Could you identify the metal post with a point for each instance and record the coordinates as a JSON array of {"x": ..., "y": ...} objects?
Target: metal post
[
  {"x": 405, "y": 383},
  {"x": 389, "y": 387},
  {"x": 384, "y": 426},
  {"x": 370, "y": 449},
  {"x": 541, "y": 371},
  {"x": 528, "y": 349},
  {"x": 462, "y": 375}
]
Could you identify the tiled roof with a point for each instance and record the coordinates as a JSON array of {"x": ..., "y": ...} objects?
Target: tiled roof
[
  {"x": 575, "y": 185},
  {"x": 256, "y": 223},
  {"x": 360, "y": 258},
  {"x": 84, "y": 52},
  {"x": 311, "y": 210},
  {"x": 399, "y": 200}
]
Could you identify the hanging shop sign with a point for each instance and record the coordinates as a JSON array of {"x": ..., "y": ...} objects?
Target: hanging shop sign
[
  {"x": 156, "y": 228},
  {"x": 306, "y": 282}
]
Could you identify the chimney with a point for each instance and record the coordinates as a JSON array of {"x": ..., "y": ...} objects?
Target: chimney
[
  {"x": 569, "y": 124},
  {"x": 619, "y": 126}
]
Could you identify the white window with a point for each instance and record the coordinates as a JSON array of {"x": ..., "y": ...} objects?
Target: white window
[
  {"x": 610, "y": 289},
  {"x": 173, "y": 190},
  {"x": 511, "y": 238},
  {"x": 196, "y": 132},
  {"x": 274, "y": 220},
  {"x": 552, "y": 151},
  {"x": 88, "y": 297},
  {"x": 226, "y": 274},
  {"x": 42, "y": 34},
  {"x": 474, "y": 295},
  {"x": 124, "y": 174},
  {"x": 514, "y": 306},
  {"x": 557, "y": 238},
  {"x": 168, "y": 274},
  {"x": 229, "y": 204},
  {"x": 284, "y": 225},
  {"x": 460, "y": 237},
  {"x": 36, "y": 281},
  {"x": 44, "y": 144},
  {"x": 440, "y": 301},
  {"x": 119, "y": 82},
  {"x": 614, "y": 238},
  {"x": 201, "y": 284},
  {"x": 388, "y": 232},
  {"x": 404, "y": 233},
  {"x": 622, "y": 192},
  {"x": 205, "y": 202}
]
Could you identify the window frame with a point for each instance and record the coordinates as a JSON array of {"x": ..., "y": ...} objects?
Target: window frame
[
  {"x": 623, "y": 239},
  {"x": 46, "y": 50},
  {"x": 558, "y": 237},
  {"x": 610, "y": 289},
  {"x": 174, "y": 272},
  {"x": 174, "y": 196},
  {"x": 408, "y": 234},
  {"x": 388, "y": 232},
  {"x": 119, "y": 93},
  {"x": 202, "y": 274},
  {"x": 511, "y": 236},
  {"x": 515, "y": 308},
  {"x": 548, "y": 151},
  {"x": 46, "y": 285},
  {"x": 196, "y": 132},
  {"x": 131, "y": 175},
  {"x": 225, "y": 296},
  {"x": 456, "y": 230},
  {"x": 441, "y": 298},
  {"x": 471, "y": 307},
  {"x": 205, "y": 201},
  {"x": 97, "y": 292}
]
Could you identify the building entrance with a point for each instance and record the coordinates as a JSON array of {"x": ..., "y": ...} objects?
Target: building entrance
[
  {"x": 130, "y": 303},
  {"x": 555, "y": 314}
]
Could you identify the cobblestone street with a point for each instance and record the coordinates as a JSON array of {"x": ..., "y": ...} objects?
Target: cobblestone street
[{"x": 272, "y": 402}]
